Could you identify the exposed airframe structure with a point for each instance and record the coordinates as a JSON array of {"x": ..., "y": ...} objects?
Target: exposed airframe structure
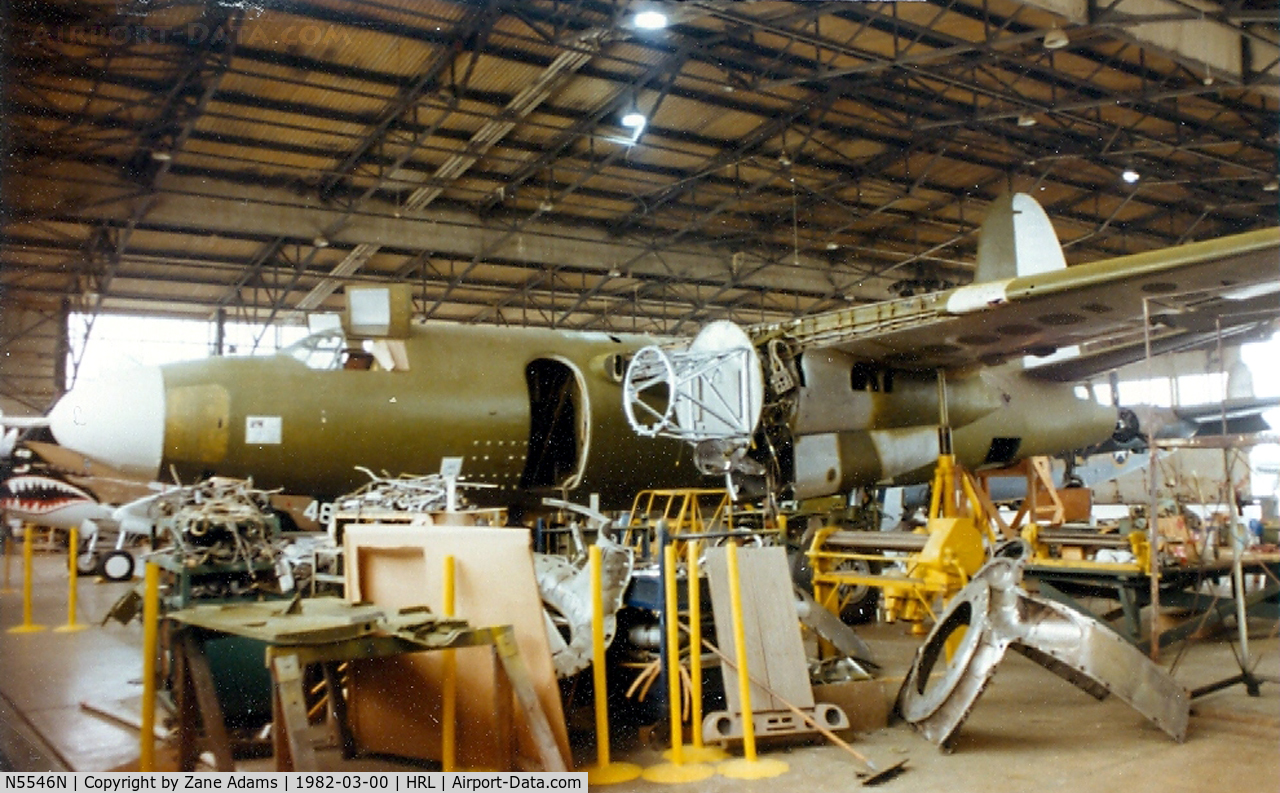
[{"x": 993, "y": 614}]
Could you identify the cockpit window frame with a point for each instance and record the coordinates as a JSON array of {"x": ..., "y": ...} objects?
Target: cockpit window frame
[{"x": 321, "y": 351}]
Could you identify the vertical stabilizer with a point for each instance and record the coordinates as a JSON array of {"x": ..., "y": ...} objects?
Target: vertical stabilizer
[
  {"x": 1016, "y": 239},
  {"x": 1239, "y": 379}
]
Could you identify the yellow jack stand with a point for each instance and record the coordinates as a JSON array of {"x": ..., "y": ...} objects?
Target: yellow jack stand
[
  {"x": 677, "y": 771},
  {"x": 28, "y": 551}
]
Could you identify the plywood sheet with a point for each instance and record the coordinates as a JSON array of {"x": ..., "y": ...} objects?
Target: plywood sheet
[
  {"x": 775, "y": 648},
  {"x": 395, "y": 703}
]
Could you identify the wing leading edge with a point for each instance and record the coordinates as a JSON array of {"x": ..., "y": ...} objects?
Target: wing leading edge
[{"x": 1190, "y": 290}]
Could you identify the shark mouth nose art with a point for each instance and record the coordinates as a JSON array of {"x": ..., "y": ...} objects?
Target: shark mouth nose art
[{"x": 40, "y": 495}]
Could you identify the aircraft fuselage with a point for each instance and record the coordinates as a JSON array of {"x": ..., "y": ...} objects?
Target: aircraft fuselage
[
  {"x": 535, "y": 412},
  {"x": 525, "y": 409}
]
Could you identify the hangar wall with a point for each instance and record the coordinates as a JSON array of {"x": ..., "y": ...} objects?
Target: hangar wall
[{"x": 33, "y": 364}]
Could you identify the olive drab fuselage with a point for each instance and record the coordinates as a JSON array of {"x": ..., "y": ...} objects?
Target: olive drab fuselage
[{"x": 535, "y": 412}]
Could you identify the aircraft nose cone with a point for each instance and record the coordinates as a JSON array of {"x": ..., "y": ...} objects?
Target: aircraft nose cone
[{"x": 117, "y": 421}]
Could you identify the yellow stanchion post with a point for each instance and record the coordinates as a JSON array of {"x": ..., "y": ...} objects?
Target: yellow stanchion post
[
  {"x": 150, "y": 642},
  {"x": 604, "y": 772},
  {"x": 748, "y": 766},
  {"x": 8, "y": 557},
  {"x": 449, "y": 708},
  {"x": 28, "y": 553},
  {"x": 676, "y": 771},
  {"x": 72, "y": 593},
  {"x": 697, "y": 752}
]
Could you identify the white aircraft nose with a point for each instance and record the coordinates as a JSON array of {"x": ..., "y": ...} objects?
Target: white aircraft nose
[{"x": 117, "y": 421}]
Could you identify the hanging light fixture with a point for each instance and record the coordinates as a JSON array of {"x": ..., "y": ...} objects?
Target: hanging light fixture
[
  {"x": 650, "y": 19},
  {"x": 1055, "y": 39},
  {"x": 1129, "y": 175}
]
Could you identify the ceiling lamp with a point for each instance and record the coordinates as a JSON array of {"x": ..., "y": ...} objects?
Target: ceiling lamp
[
  {"x": 634, "y": 119},
  {"x": 320, "y": 242},
  {"x": 1272, "y": 186},
  {"x": 650, "y": 20},
  {"x": 1056, "y": 39},
  {"x": 1129, "y": 175},
  {"x": 160, "y": 155},
  {"x": 1026, "y": 120}
]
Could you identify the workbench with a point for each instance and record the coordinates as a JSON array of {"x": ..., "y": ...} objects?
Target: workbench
[
  {"x": 1179, "y": 588},
  {"x": 326, "y": 632}
]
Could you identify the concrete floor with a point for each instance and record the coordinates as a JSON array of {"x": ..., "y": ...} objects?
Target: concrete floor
[{"x": 1030, "y": 730}]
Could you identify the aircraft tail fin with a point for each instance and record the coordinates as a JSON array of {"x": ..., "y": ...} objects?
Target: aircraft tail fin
[{"x": 1016, "y": 239}]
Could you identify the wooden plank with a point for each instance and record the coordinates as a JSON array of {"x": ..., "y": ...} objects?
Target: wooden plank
[
  {"x": 338, "y": 708},
  {"x": 503, "y": 710},
  {"x": 395, "y": 703},
  {"x": 279, "y": 742},
  {"x": 775, "y": 649},
  {"x": 185, "y": 704},
  {"x": 215, "y": 728},
  {"x": 116, "y": 711},
  {"x": 287, "y": 676},
  {"x": 518, "y": 676},
  {"x": 773, "y": 608}
]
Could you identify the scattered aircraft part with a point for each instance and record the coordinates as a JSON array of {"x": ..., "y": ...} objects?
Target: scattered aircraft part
[
  {"x": 725, "y": 456},
  {"x": 712, "y": 391},
  {"x": 126, "y": 609},
  {"x": 218, "y": 523},
  {"x": 828, "y": 626},
  {"x": 782, "y": 368},
  {"x": 566, "y": 598},
  {"x": 993, "y": 614},
  {"x": 597, "y": 520},
  {"x": 117, "y": 566},
  {"x": 404, "y": 493}
]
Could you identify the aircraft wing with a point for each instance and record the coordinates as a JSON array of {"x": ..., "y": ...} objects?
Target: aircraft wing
[
  {"x": 1190, "y": 290},
  {"x": 1237, "y": 416}
]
